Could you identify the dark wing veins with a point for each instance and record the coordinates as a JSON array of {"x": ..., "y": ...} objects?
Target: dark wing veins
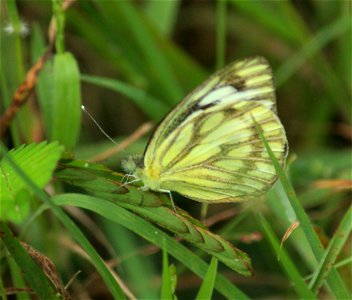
[{"x": 177, "y": 121}]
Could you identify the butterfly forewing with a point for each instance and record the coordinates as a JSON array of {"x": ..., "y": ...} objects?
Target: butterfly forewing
[
  {"x": 249, "y": 79},
  {"x": 208, "y": 148}
]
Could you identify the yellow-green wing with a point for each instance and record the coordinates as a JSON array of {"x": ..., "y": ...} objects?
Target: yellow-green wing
[
  {"x": 249, "y": 79},
  {"x": 219, "y": 157},
  {"x": 211, "y": 151}
]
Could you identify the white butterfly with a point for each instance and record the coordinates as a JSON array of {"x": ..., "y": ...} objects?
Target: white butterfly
[{"x": 208, "y": 148}]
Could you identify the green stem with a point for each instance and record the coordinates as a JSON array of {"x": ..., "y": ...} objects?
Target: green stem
[{"x": 60, "y": 26}]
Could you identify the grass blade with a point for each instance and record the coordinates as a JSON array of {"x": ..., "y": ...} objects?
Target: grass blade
[
  {"x": 152, "y": 106},
  {"x": 206, "y": 290},
  {"x": 333, "y": 250},
  {"x": 166, "y": 286},
  {"x": 317, "y": 42},
  {"x": 156, "y": 209},
  {"x": 97, "y": 261},
  {"x": 153, "y": 54},
  {"x": 163, "y": 14},
  {"x": 17, "y": 278},
  {"x": 334, "y": 280},
  {"x": 286, "y": 262},
  {"x": 31, "y": 271},
  {"x": 117, "y": 214}
]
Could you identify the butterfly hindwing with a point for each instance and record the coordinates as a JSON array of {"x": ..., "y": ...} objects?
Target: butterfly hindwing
[{"x": 225, "y": 162}]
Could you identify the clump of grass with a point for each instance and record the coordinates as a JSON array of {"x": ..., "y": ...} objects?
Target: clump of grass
[{"x": 115, "y": 52}]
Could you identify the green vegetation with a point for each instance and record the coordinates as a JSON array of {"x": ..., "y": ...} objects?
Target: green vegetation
[{"x": 63, "y": 208}]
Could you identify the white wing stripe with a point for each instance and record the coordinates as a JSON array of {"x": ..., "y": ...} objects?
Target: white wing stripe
[
  {"x": 246, "y": 95},
  {"x": 217, "y": 95}
]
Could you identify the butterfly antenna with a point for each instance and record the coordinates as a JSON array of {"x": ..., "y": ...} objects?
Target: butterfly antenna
[
  {"x": 96, "y": 123},
  {"x": 127, "y": 183}
]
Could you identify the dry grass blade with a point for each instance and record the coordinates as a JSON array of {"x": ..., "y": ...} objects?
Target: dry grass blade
[
  {"x": 48, "y": 268},
  {"x": 287, "y": 234},
  {"x": 23, "y": 91},
  {"x": 221, "y": 216},
  {"x": 336, "y": 184}
]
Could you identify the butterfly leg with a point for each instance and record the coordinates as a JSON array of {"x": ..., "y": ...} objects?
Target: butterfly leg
[
  {"x": 144, "y": 188},
  {"x": 171, "y": 199},
  {"x": 126, "y": 177}
]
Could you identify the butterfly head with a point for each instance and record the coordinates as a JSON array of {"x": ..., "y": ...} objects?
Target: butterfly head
[{"x": 134, "y": 165}]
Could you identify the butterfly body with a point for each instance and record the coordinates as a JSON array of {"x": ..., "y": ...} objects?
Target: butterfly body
[{"x": 208, "y": 147}]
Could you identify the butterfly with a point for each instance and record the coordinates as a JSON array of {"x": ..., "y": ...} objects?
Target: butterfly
[{"x": 208, "y": 147}]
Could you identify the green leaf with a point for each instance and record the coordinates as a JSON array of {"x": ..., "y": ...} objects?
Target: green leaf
[
  {"x": 96, "y": 260},
  {"x": 206, "y": 290},
  {"x": 67, "y": 101},
  {"x": 38, "y": 162}
]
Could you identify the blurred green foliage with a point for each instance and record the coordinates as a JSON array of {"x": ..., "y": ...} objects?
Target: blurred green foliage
[{"x": 135, "y": 61}]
